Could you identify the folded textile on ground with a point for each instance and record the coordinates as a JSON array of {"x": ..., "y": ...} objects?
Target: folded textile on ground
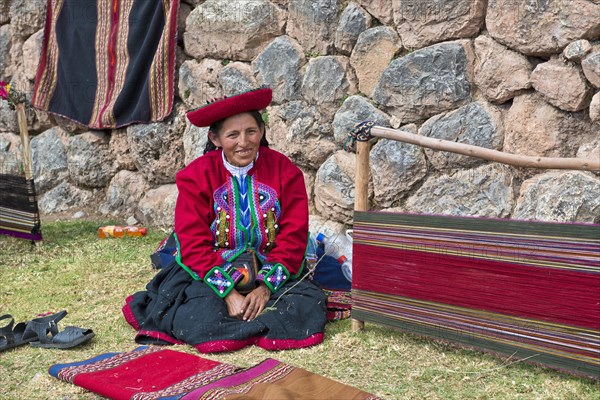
[
  {"x": 156, "y": 373},
  {"x": 108, "y": 64},
  {"x": 339, "y": 304}
]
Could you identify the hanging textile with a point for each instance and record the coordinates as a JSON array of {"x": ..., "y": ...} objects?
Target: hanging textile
[
  {"x": 530, "y": 290},
  {"x": 108, "y": 63},
  {"x": 19, "y": 215}
]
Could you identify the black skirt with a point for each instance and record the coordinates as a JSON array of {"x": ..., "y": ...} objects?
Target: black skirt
[{"x": 176, "y": 309}]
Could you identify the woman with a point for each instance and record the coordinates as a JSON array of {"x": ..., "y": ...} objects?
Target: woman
[{"x": 239, "y": 205}]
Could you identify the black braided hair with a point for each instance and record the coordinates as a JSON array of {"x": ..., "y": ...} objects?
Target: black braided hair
[{"x": 216, "y": 129}]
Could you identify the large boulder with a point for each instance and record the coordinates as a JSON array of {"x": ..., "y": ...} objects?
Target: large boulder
[
  {"x": 353, "y": 21},
  {"x": 577, "y": 50},
  {"x": 374, "y": 50},
  {"x": 5, "y": 47},
  {"x": 425, "y": 22},
  {"x": 234, "y": 30},
  {"x": 486, "y": 191},
  {"x": 199, "y": 81},
  {"x": 595, "y": 108},
  {"x": 32, "y": 49},
  {"x": 237, "y": 78},
  {"x": 49, "y": 158},
  {"x": 157, "y": 206},
  {"x": 27, "y": 17},
  {"x": 426, "y": 82},
  {"x": 477, "y": 124},
  {"x": 572, "y": 196},
  {"x": 11, "y": 156},
  {"x": 8, "y": 118},
  {"x": 334, "y": 187},
  {"x": 119, "y": 147},
  {"x": 395, "y": 167},
  {"x": 194, "y": 141},
  {"x": 65, "y": 197},
  {"x": 278, "y": 67},
  {"x": 356, "y": 109},
  {"x": 500, "y": 73},
  {"x": 591, "y": 68},
  {"x": 562, "y": 85},
  {"x": 302, "y": 133},
  {"x": 125, "y": 191},
  {"x": 327, "y": 81},
  {"x": 157, "y": 149},
  {"x": 542, "y": 28},
  {"x": 380, "y": 9},
  {"x": 312, "y": 23},
  {"x": 91, "y": 163},
  {"x": 534, "y": 127},
  {"x": 590, "y": 150}
]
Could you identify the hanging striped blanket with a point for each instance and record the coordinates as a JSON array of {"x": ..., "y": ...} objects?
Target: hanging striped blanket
[
  {"x": 108, "y": 63},
  {"x": 19, "y": 215},
  {"x": 526, "y": 289}
]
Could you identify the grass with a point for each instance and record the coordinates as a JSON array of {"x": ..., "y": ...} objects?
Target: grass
[{"x": 90, "y": 277}]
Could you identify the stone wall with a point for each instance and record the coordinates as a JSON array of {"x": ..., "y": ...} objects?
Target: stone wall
[{"x": 515, "y": 75}]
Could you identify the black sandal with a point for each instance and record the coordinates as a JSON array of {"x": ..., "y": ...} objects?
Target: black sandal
[
  {"x": 12, "y": 335},
  {"x": 45, "y": 330}
]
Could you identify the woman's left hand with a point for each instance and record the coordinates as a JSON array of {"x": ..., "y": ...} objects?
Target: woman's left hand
[{"x": 255, "y": 302}]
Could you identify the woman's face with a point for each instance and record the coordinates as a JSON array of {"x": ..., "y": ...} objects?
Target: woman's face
[{"x": 240, "y": 138}]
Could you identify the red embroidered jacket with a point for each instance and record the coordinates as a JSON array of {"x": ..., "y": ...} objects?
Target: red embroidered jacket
[{"x": 207, "y": 219}]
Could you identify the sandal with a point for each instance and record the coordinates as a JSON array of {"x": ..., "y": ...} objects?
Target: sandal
[
  {"x": 12, "y": 335},
  {"x": 45, "y": 329}
]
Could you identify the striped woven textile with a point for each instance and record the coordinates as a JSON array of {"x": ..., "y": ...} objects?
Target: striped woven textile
[
  {"x": 108, "y": 63},
  {"x": 521, "y": 288},
  {"x": 19, "y": 215}
]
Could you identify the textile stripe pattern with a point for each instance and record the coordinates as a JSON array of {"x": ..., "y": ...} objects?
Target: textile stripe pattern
[
  {"x": 19, "y": 214},
  {"x": 154, "y": 373},
  {"x": 528, "y": 289},
  {"x": 93, "y": 68}
]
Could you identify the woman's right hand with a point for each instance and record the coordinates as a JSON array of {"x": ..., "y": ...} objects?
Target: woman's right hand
[{"x": 235, "y": 304}]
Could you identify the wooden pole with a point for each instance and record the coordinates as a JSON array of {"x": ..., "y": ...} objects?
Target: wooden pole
[
  {"x": 24, "y": 132},
  {"x": 361, "y": 195},
  {"x": 515, "y": 160}
]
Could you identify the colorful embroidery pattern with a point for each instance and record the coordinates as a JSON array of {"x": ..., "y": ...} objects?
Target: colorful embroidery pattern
[
  {"x": 219, "y": 281},
  {"x": 274, "y": 276},
  {"x": 229, "y": 229}
]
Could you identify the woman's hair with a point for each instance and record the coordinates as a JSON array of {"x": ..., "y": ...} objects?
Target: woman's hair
[{"x": 216, "y": 129}]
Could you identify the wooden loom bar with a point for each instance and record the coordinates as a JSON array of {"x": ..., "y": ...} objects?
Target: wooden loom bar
[
  {"x": 361, "y": 199},
  {"x": 515, "y": 160}
]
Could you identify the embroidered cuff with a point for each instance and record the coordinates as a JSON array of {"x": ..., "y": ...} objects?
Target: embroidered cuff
[
  {"x": 273, "y": 276},
  {"x": 222, "y": 279},
  {"x": 233, "y": 272}
]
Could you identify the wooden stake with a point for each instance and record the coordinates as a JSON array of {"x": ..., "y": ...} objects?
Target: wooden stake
[
  {"x": 361, "y": 195},
  {"x": 515, "y": 160},
  {"x": 24, "y": 132}
]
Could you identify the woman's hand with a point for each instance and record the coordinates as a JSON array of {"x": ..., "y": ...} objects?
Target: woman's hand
[
  {"x": 235, "y": 304},
  {"x": 255, "y": 302}
]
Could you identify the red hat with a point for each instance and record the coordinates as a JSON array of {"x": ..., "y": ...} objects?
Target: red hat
[{"x": 256, "y": 99}]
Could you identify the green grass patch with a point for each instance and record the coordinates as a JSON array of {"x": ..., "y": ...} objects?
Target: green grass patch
[{"x": 90, "y": 277}]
